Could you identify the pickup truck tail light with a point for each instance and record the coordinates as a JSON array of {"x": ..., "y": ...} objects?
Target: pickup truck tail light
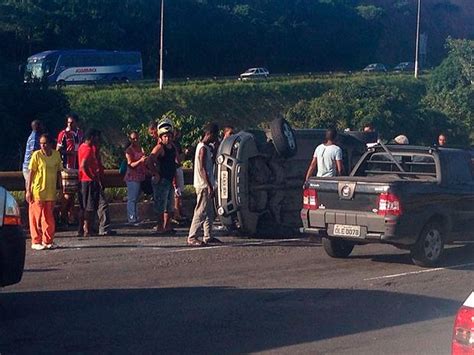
[
  {"x": 389, "y": 205},
  {"x": 310, "y": 199},
  {"x": 12, "y": 212},
  {"x": 463, "y": 333}
]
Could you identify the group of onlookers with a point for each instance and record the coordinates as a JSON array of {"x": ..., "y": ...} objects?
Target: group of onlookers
[{"x": 76, "y": 162}]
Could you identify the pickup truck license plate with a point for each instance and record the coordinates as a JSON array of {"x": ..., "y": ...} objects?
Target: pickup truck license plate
[
  {"x": 344, "y": 230},
  {"x": 224, "y": 184}
]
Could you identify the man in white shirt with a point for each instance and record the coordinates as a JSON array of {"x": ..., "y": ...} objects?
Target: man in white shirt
[
  {"x": 327, "y": 158},
  {"x": 205, "y": 184}
]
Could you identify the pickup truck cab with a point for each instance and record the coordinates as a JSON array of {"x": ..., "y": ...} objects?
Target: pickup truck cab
[{"x": 415, "y": 198}]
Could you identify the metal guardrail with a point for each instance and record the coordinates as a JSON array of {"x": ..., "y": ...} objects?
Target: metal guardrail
[{"x": 14, "y": 181}]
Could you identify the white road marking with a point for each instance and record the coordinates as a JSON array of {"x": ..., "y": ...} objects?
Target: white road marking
[
  {"x": 167, "y": 248},
  {"x": 229, "y": 245},
  {"x": 417, "y": 272}
]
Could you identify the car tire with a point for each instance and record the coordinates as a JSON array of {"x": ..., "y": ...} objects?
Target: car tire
[
  {"x": 429, "y": 249},
  {"x": 337, "y": 248},
  {"x": 283, "y": 138},
  {"x": 60, "y": 84}
]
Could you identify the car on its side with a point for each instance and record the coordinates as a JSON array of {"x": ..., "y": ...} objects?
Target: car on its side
[
  {"x": 260, "y": 174},
  {"x": 375, "y": 68},
  {"x": 12, "y": 240},
  {"x": 254, "y": 73},
  {"x": 404, "y": 66},
  {"x": 463, "y": 332}
]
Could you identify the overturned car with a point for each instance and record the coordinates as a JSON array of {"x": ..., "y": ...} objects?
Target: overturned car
[{"x": 260, "y": 174}]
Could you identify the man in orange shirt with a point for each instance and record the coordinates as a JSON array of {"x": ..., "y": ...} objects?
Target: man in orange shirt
[{"x": 89, "y": 179}]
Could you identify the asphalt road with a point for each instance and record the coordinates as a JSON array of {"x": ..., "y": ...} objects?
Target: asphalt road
[{"x": 139, "y": 293}]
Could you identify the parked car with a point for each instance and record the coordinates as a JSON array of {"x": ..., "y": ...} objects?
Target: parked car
[
  {"x": 255, "y": 73},
  {"x": 404, "y": 66},
  {"x": 375, "y": 68},
  {"x": 463, "y": 332},
  {"x": 415, "y": 198},
  {"x": 12, "y": 241},
  {"x": 260, "y": 174}
]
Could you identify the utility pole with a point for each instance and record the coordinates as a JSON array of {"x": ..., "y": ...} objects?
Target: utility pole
[
  {"x": 417, "y": 46},
  {"x": 161, "y": 44}
]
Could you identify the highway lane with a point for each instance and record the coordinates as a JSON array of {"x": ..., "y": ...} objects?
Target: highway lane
[{"x": 137, "y": 292}]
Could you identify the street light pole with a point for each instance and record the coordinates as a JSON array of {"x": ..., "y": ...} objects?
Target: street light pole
[
  {"x": 161, "y": 45},
  {"x": 417, "y": 46}
]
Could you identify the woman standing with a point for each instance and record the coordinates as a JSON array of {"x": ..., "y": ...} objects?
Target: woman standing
[
  {"x": 44, "y": 168},
  {"x": 136, "y": 172}
]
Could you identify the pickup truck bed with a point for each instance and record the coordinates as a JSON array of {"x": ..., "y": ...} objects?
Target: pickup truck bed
[{"x": 426, "y": 205}]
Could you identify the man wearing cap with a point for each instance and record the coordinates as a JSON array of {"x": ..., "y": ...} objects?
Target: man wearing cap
[
  {"x": 162, "y": 164},
  {"x": 69, "y": 140}
]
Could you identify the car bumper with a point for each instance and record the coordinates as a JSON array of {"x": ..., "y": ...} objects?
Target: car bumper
[
  {"x": 373, "y": 228},
  {"x": 12, "y": 255}
]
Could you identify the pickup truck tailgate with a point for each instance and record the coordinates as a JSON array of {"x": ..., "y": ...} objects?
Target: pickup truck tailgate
[{"x": 344, "y": 194}]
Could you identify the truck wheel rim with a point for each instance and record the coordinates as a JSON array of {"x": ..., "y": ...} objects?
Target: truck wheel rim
[
  {"x": 433, "y": 244},
  {"x": 289, "y": 136}
]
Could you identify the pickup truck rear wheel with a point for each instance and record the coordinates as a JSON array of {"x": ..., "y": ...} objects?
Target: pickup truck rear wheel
[
  {"x": 429, "y": 248},
  {"x": 337, "y": 248}
]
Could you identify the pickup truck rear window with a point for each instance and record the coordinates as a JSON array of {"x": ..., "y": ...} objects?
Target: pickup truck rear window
[{"x": 416, "y": 166}]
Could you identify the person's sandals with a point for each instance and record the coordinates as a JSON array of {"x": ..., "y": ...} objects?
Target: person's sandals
[
  {"x": 213, "y": 240},
  {"x": 195, "y": 243}
]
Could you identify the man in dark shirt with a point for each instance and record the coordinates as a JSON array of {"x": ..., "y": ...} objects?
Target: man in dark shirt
[
  {"x": 162, "y": 164},
  {"x": 32, "y": 144}
]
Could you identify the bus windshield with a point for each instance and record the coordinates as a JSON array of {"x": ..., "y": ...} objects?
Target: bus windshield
[{"x": 34, "y": 70}]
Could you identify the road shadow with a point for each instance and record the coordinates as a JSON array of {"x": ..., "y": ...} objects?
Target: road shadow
[
  {"x": 453, "y": 256},
  {"x": 201, "y": 320},
  {"x": 40, "y": 270}
]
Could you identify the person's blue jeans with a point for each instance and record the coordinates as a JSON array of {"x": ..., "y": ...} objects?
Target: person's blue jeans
[{"x": 133, "y": 192}]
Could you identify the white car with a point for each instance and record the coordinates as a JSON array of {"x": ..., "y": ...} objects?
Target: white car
[
  {"x": 255, "y": 73},
  {"x": 463, "y": 333}
]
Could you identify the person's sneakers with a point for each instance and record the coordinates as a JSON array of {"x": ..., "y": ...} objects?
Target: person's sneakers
[
  {"x": 212, "y": 240},
  {"x": 50, "y": 246},
  {"x": 108, "y": 233},
  {"x": 194, "y": 243},
  {"x": 37, "y": 246}
]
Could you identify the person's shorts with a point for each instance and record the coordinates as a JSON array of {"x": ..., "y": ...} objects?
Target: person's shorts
[
  {"x": 89, "y": 193},
  {"x": 163, "y": 196}
]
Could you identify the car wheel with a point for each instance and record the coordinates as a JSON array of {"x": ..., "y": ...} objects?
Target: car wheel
[
  {"x": 337, "y": 248},
  {"x": 283, "y": 138},
  {"x": 60, "y": 84},
  {"x": 429, "y": 249}
]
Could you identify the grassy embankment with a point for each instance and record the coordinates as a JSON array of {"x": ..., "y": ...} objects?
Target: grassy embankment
[{"x": 242, "y": 104}]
